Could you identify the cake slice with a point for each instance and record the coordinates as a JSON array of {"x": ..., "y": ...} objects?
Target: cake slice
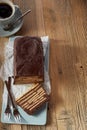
[
  {"x": 28, "y": 60},
  {"x": 33, "y": 99}
]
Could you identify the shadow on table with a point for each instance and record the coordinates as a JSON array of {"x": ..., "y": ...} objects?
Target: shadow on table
[{"x": 65, "y": 63}]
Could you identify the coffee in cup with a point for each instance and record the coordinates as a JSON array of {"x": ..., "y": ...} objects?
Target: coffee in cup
[
  {"x": 7, "y": 9},
  {"x": 7, "y": 12}
]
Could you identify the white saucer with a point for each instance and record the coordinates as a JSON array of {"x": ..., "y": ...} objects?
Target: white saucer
[{"x": 16, "y": 26}]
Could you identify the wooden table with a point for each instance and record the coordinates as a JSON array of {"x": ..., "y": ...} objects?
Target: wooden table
[{"x": 65, "y": 22}]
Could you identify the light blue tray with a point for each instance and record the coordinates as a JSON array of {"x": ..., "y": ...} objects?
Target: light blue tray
[{"x": 40, "y": 118}]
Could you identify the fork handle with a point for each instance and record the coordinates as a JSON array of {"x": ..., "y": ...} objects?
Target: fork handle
[
  {"x": 8, "y": 106},
  {"x": 10, "y": 95},
  {"x": 8, "y": 101}
]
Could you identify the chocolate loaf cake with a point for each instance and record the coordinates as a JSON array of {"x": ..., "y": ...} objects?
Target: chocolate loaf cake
[
  {"x": 28, "y": 60},
  {"x": 33, "y": 99}
]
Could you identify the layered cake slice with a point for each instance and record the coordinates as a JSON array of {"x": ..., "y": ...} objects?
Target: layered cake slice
[
  {"x": 28, "y": 60},
  {"x": 33, "y": 99}
]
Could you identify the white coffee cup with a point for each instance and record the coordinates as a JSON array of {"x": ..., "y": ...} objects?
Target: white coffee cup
[{"x": 8, "y": 17}]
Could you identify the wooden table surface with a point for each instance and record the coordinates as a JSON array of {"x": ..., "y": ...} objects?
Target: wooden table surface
[{"x": 65, "y": 22}]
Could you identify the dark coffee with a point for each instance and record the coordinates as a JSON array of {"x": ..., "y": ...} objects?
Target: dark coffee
[{"x": 5, "y": 10}]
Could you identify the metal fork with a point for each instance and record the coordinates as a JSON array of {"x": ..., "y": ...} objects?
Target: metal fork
[
  {"x": 16, "y": 113},
  {"x": 7, "y": 110}
]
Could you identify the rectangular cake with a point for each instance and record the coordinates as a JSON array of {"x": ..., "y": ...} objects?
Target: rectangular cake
[
  {"x": 32, "y": 100},
  {"x": 28, "y": 60}
]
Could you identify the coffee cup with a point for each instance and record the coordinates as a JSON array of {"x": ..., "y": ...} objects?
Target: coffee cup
[{"x": 7, "y": 12}]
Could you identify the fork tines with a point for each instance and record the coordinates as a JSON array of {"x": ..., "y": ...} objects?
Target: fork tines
[{"x": 16, "y": 113}]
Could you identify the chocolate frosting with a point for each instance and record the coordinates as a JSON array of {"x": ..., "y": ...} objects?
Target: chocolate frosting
[{"x": 28, "y": 56}]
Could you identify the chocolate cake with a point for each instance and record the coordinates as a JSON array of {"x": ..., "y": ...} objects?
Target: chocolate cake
[
  {"x": 28, "y": 60},
  {"x": 32, "y": 100}
]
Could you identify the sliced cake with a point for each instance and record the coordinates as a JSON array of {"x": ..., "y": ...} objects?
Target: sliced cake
[{"x": 33, "y": 99}]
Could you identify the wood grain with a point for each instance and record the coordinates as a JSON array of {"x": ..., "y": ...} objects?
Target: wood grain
[{"x": 65, "y": 22}]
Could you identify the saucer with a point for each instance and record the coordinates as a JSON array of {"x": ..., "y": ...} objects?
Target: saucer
[{"x": 16, "y": 26}]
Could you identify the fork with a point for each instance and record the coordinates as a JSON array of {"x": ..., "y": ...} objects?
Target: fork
[
  {"x": 7, "y": 110},
  {"x": 16, "y": 113}
]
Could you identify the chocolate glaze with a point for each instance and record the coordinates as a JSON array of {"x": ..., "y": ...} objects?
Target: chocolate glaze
[{"x": 28, "y": 56}]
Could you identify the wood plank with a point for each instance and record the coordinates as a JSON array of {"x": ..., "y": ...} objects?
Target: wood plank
[
  {"x": 15, "y": 127},
  {"x": 65, "y": 58}
]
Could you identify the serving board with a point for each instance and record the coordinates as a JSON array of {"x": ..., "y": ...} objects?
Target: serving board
[{"x": 40, "y": 117}]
